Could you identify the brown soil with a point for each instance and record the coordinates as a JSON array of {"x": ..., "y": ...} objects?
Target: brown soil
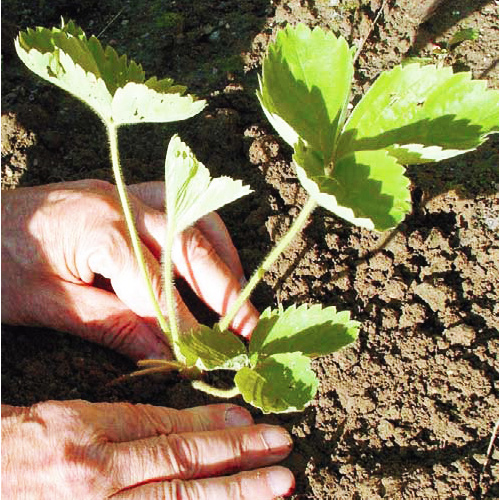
[{"x": 408, "y": 411}]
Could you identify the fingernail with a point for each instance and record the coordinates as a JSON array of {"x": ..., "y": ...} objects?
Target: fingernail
[
  {"x": 276, "y": 438},
  {"x": 237, "y": 417},
  {"x": 281, "y": 481}
]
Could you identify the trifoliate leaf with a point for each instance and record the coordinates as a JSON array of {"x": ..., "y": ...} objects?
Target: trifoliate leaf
[
  {"x": 311, "y": 330},
  {"x": 367, "y": 188},
  {"x": 190, "y": 191},
  {"x": 421, "y": 114},
  {"x": 110, "y": 84},
  {"x": 280, "y": 383},
  {"x": 210, "y": 349},
  {"x": 305, "y": 86}
]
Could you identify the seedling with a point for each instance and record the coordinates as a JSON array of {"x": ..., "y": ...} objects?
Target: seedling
[
  {"x": 274, "y": 371},
  {"x": 351, "y": 167}
]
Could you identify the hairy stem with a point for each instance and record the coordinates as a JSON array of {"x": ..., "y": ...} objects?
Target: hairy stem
[
  {"x": 295, "y": 228},
  {"x": 168, "y": 276},
  {"x": 214, "y": 391},
  {"x": 129, "y": 219}
]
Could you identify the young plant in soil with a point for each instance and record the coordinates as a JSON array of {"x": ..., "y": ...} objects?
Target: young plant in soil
[
  {"x": 273, "y": 372},
  {"x": 352, "y": 167}
]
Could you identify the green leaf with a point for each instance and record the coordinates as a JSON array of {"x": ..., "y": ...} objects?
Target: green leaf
[
  {"x": 305, "y": 86},
  {"x": 190, "y": 191},
  {"x": 367, "y": 188},
  {"x": 210, "y": 349},
  {"x": 311, "y": 330},
  {"x": 417, "y": 60},
  {"x": 463, "y": 35},
  {"x": 112, "y": 86},
  {"x": 280, "y": 383},
  {"x": 137, "y": 103},
  {"x": 421, "y": 114}
]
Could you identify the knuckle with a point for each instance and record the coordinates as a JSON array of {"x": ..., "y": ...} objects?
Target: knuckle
[
  {"x": 185, "y": 456},
  {"x": 87, "y": 465},
  {"x": 147, "y": 413},
  {"x": 237, "y": 452},
  {"x": 97, "y": 185},
  {"x": 111, "y": 242},
  {"x": 78, "y": 454},
  {"x": 118, "y": 331},
  {"x": 182, "y": 490},
  {"x": 235, "y": 488},
  {"x": 119, "y": 252},
  {"x": 196, "y": 247}
]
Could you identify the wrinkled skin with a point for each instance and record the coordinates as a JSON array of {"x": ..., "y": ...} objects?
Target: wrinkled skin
[
  {"x": 67, "y": 264},
  {"x": 78, "y": 450},
  {"x": 60, "y": 242}
]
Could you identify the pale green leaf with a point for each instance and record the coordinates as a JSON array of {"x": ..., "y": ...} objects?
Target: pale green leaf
[
  {"x": 190, "y": 191},
  {"x": 280, "y": 383},
  {"x": 309, "y": 329},
  {"x": 421, "y": 113},
  {"x": 210, "y": 349},
  {"x": 367, "y": 188},
  {"x": 112, "y": 86},
  {"x": 137, "y": 103},
  {"x": 59, "y": 68},
  {"x": 305, "y": 86}
]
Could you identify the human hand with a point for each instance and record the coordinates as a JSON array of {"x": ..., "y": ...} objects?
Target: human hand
[
  {"x": 60, "y": 240},
  {"x": 76, "y": 449}
]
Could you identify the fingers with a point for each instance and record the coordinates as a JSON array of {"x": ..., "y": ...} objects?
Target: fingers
[
  {"x": 199, "y": 264},
  {"x": 199, "y": 454},
  {"x": 126, "y": 422},
  {"x": 98, "y": 316},
  {"x": 116, "y": 261},
  {"x": 204, "y": 255},
  {"x": 215, "y": 231},
  {"x": 213, "y": 228},
  {"x": 151, "y": 194},
  {"x": 261, "y": 484}
]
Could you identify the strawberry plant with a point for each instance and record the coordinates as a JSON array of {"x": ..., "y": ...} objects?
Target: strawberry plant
[
  {"x": 273, "y": 372},
  {"x": 350, "y": 165}
]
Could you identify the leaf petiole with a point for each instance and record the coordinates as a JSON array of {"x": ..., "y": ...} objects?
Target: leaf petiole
[
  {"x": 168, "y": 277},
  {"x": 112, "y": 131},
  {"x": 295, "y": 229},
  {"x": 214, "y": 391}
]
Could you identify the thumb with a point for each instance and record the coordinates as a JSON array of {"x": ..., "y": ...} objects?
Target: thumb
[
  {"x": 117, "y": 262},
  {"x": 106, "y": 320},
  {"x": 99, "y": 316}
]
